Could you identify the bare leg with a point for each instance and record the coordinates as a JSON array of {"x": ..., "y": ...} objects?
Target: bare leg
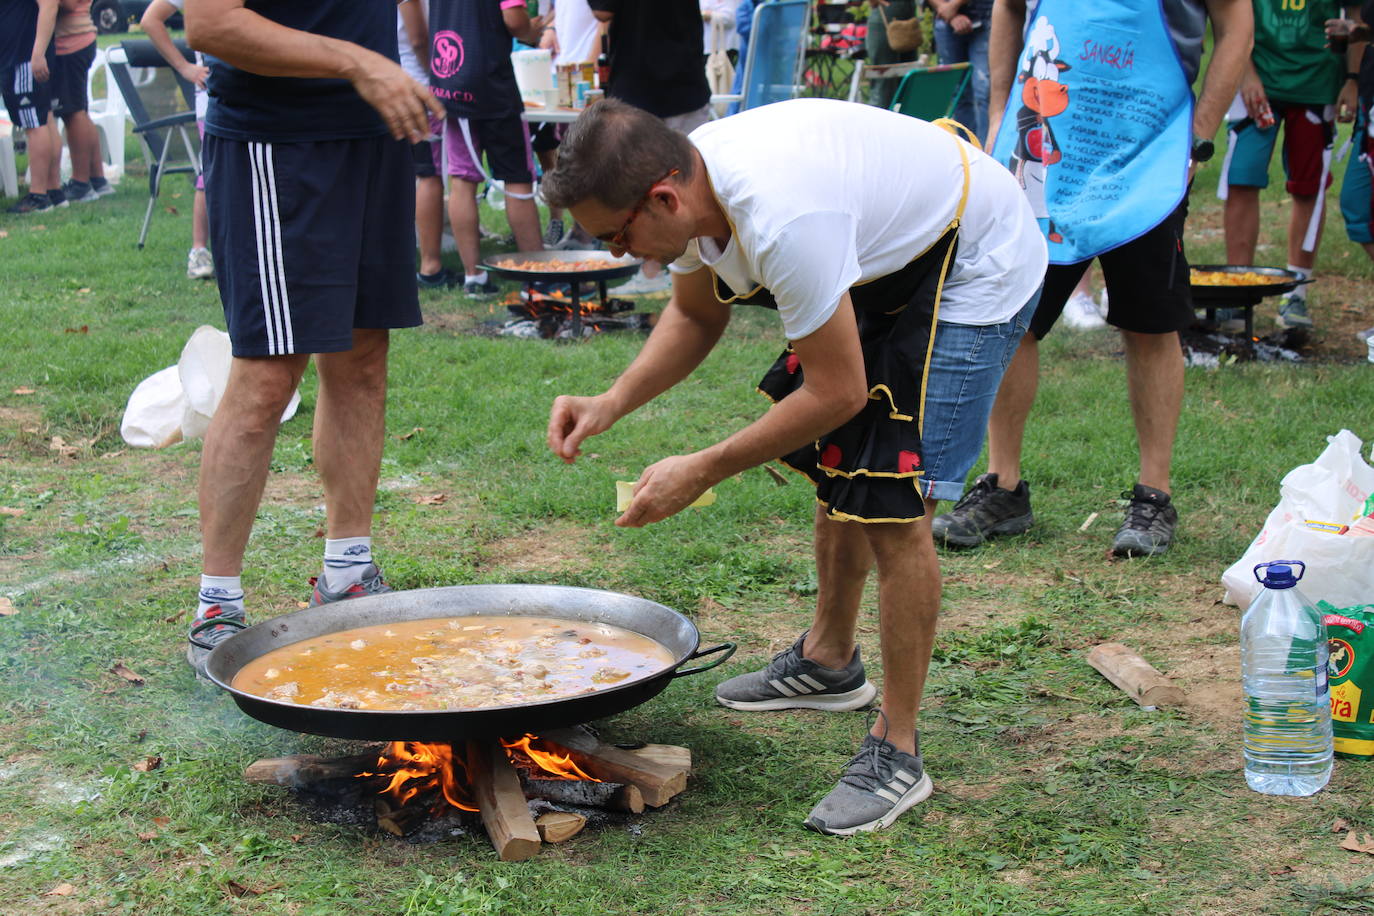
[
  {"x": 83, "y": 139},
  {"x": 44, "y": 146},
  {"x": 523, "y": 216},
  {"x": 1241, "y": 220},
  {"x": 1297, "y": 230},
  {"x": 237, "y": 453},
  {"x": 1007, "y": 421},
  {"x": 843, "y": 559},
  {"x": 350, "y": 425},
  {"x": 463, "y": 219},
  {"x": 429, "y": 222},
  {"x": 1154, "y": 378},
  {"x": 200, "y": 221}
]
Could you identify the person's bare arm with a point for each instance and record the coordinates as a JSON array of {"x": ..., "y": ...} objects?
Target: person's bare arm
[
  {"x": 834, "y": 390},
  {"x": 249, "y": 41},
  {"x": 47, "y": 19},
  {"x": 417, "y": 30},
  {"x": 1233, "y": 31},
  {"x": 518, "y": 23},
  {"x": 1004, "y": 47},
  {"x": 154, "y": 25}
]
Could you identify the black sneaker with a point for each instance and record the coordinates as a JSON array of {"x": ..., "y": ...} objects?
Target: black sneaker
[
  {"x": 792, "y": 681},
  {"x": 879, "y": 784},
  {"x": 553, "y": 234},
  {"x": 102, "y": 187},
  {"x": 480, "y": 289},
  {"x": 31, "y": 203},
  {"x": 58, "y": 197},
  {"x": 1149, "y": 526},
  {"x": 79, "y": 192},
  {"x": 442, "y": 279},
  {"x": 985, "y": 511}
]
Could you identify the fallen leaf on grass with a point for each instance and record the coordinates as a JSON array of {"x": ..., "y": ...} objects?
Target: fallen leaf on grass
[
  {"x": 437, "y": 499},
  {"x": 62, "y": 890},
  {"x": 1340, "y": 824},
  {"x": 171, "y": 210},
  {"x": 84, "y": 329},
  {"x": 162, "y": 821},
  {"x": 84, "y": 289},
  {"x": 148, "y": 764},
  {"x": 1359, "y": 842},
  {"x": 11, "y": 511},
  {"x": 777, "y": 476},
  {"x": 7, "y": 608},
  {"x": 39, "y": 228},
  {"x": 128, "y": 675},
  {"x": 59, "y": 445},
  {"x": 1282, "y": 870},
  {"x": 4, "y": 234},
  {"x": 150, "y": 835},
  {"x": 25, "y": 391},
  {"x": 243, "y": 890},
  {"x": 302, "y": 605},
  {"x": 404, "y": 436}
]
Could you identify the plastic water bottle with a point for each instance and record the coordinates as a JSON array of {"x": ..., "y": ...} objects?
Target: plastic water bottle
[{"x": 1283, "y": 656}]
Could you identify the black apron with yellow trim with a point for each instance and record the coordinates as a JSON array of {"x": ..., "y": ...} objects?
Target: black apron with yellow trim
[{"x": 869, "y": 468}]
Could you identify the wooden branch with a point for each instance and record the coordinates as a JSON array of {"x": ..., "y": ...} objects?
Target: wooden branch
[
  {"x": 671, "y": 755},
  {"x": 612, "y": 795},
  {"x": 1135, "y": 676},
  {"x": 304, "y": 769},
  {"x": 496, "y": 786},
  {"x": 557, "y": 826},
  {"x": 656, "y": 781},
  {"x": 401, "y": 821}
]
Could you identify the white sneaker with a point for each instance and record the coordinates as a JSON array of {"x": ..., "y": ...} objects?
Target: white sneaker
[
  {"x": 199, "y": 264},
  {"x": 1080, "y": 312},
  {"x": 640, "y": 285}
]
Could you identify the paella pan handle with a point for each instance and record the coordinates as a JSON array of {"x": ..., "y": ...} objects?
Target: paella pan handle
[
  {"x": 209, "y": 624},
  {"x": 727, "y": 647}
]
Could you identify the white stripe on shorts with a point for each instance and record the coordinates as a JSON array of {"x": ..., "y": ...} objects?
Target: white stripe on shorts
[{"x": 271, "y": 269}]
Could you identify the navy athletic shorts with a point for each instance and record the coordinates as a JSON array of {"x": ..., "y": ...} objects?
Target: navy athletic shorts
[
  {"x": 69, "y": 81},
  {"x": 311, "y": 240},
  {"x": 29, "y": 102}
]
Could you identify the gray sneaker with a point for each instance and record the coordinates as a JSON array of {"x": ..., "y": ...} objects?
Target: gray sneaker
[
  {"x": 878, "y": 785},
  {"x": 985, "y": 511},
  {"x": 791, "y": 681},
  {"x": 553, "y": 234},
  {"x": 212, "y": 627},
  {"x": 1149, "y": 526},
  {"x": 1293, "y": 312},
  {"x": 371, "y": 584}
]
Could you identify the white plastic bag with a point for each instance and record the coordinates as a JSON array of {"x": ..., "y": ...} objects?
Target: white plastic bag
[
  {"x": 178, "y": 402},
  {"x": 152, "y": 418},
  {"x": 1340, "y": 568},
  {"x": 204, "y": 371}
]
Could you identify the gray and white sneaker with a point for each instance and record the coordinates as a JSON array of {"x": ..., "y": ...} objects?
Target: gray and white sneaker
[
  {"x": 792, "y": 681},
  {"x": 371, "y": 584},
  {"x": 553, "y": 234},
  {"x": 211, "y": 627},
  {"x": 1148, "y": 529},
  {"x": 200, "y": 264},
  {"x": 878, "y": 785}
]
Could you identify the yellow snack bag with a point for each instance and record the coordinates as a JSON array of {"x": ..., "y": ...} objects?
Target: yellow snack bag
[{"x": 624, "y": 495}]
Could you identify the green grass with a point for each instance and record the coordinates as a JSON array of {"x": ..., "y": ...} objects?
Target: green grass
[{"x": 1055, "y": 794}]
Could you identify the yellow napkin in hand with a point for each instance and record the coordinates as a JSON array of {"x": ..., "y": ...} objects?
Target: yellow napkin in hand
[{"x": 624, "y": 495}]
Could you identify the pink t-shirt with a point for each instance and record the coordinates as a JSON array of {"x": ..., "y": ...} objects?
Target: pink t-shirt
[{"x": 74, "y": 29}]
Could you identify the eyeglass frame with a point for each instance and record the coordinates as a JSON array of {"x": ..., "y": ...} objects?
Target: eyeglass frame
[{"x": 618, "y": 240}]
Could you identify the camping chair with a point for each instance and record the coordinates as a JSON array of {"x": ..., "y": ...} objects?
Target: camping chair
[
  {"x": 932, "y": 92},
  {"x": 162, "y": 108},
  {"x": 777, "y": 52}
]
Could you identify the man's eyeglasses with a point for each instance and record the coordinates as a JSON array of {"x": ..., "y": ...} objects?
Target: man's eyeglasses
[{"x": 618, "y": 240}]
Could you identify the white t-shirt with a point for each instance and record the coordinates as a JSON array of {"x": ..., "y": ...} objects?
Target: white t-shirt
[
  {"x": 724, "y": 11},
  {"x": 578, "y": 31},
  {"x": 202, "y": 97},
  {"x": 823, "y": 195},
  {"x": 409, "y": 63}
]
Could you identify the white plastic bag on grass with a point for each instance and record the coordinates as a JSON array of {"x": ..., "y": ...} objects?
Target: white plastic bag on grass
[
  {"x": 204, "y": 372},
  {"x": 152, "y": 418},
  {"x": 1340, "y": 568}
]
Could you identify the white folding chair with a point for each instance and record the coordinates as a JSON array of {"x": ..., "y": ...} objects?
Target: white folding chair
[{"x": 9, "y": 175}]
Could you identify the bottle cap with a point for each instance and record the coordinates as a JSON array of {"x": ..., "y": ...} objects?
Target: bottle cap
[{"x": 1279, "y": 573}]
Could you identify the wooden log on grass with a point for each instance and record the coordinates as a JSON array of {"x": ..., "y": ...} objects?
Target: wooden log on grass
[
  {"x": 505, "y": 813},
  {"x": 304, "y": 769},
  {"x": 1135, "y": 676},
  {"x": 656, "y": 781},
  {"x": 613, "y": 796}
]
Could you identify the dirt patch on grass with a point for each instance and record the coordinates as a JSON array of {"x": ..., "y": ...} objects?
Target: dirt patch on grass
[{"x": 559, "y": 546}]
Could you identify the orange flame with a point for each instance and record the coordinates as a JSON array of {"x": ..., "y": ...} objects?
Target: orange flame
[{"x": 560, "y": 765}]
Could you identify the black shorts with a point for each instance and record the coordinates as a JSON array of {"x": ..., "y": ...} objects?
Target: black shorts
[
  {"x": 311, "y": 240},
  {"x": 28, "y": 101},
  {"x": 425, "y": 157},
  {"x": 546, "y": 136},
  {"x": 1147, "y": 283},
  {"x": 69, "y": 81}
]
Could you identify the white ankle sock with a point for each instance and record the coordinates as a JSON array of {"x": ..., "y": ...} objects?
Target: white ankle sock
[
  {"x": 475, "y": 278},
  {"x": 1306, "y": 274},
  {"x": 345, "y": 561},
  {"x": 226, "y": 591}
]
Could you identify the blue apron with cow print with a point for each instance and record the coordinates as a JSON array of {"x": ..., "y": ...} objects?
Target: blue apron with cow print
[{"x": 1098, "y": 126}]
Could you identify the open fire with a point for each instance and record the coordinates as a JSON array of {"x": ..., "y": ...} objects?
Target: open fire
[
  {"x": 554, "y": 315},
  {"x": 526, "y": 791}
]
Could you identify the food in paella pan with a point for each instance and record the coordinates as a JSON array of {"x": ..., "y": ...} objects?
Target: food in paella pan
[
  {"x": 556, "y": 266},
  {"x": 1232, "y": 278},
  {"x": 453, "y": 663}
]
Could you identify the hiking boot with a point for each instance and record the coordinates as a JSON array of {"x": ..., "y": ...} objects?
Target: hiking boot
[
  {"x": 553, "y": 234},
  {"x": 879, "y": 783},
  {"x": 479, "y": 289},
  {"x": 200, "y": 265},
  {"x": 79, "y": 192},
  {"x": 791, "y": 681},
  {"x": 985, "y": 511},
  {"x": 371, "y": 584},
  {"x": 31, "y": 203},
  {"x": 1081, "y": 313},
  {"x": 57, "y": 197},
  {"x": 213, "y": 626},
  {"x": 1149, "y": 526},
  {"x": 443, "y": 278},
  {"x": 1293, "y": 312}
]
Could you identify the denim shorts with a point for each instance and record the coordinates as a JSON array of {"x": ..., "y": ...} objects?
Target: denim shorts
[{"x": 966, "y": 367}]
